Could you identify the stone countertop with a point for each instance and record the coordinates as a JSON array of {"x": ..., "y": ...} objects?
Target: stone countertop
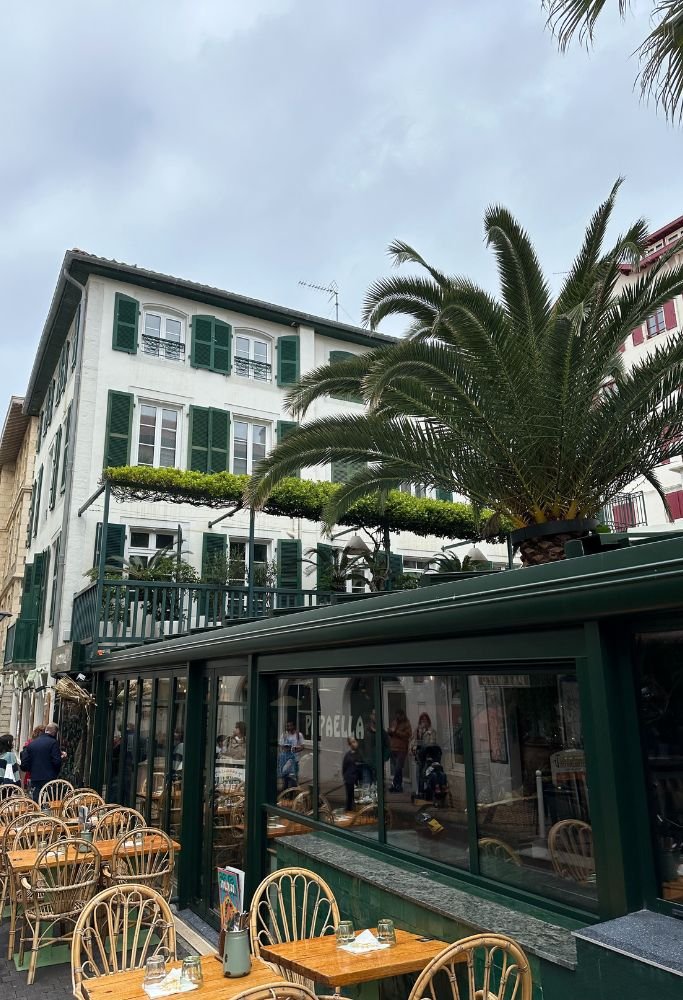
[
  {"x": 646, "y": 936},
  {"x": 539, "y": 937}
]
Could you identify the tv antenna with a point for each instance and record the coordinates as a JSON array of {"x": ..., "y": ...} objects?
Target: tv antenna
[{"x": 332, "y": 290}]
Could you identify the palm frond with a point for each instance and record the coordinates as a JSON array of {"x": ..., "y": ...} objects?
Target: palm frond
[
  {"x": 567, "y": 17},
  {"x": 661, "y": 55}
]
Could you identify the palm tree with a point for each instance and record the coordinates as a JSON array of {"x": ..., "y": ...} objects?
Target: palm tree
[
  {"x": 660, "y": 54},
  {"x": 522, "y": 404}
]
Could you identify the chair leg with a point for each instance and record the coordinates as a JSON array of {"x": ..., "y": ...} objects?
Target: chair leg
[
  {"x": 33, "y": 961},
  {"x": 12, "y": 929},
  {"x": 3, "y": 894}
]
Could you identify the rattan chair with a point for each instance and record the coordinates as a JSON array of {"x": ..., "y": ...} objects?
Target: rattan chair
[
  {"x": 8, "y": 824},
  {"x": 148, "y": 863},
  {"x": 481, "y": 967},
  {"x": 115, "y": 822},
  {"x": 96, "y": 814},
  {"x": 16, "y": 806},
  {"x": 7, "y": 791},
  {"x": 277, "y": 991},
  {"x": 62, "y": 882},
  {"x": 28, "y": 833},
  {"x": 291, "y": 904},
  {"x": 120, "y": 929},
  {"x": 493, "y": 849},
  {"x": 53, "y": 794},
  {"x": 570, "y": 843},
  {"x": 83, "y": 797}
]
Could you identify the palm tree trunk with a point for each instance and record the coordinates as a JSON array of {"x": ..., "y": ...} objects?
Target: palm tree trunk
[{"x": 536, "y": 551}]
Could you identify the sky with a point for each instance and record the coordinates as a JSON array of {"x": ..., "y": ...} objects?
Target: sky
[{"x": 252, "y": 145}]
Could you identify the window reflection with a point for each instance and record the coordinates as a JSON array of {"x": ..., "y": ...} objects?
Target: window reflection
[
  {"x": 661, "y": 707},
  {"x": 533, "y": 815}
]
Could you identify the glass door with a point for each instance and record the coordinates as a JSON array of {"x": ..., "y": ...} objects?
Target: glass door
[{"x": 224, "y": 784}]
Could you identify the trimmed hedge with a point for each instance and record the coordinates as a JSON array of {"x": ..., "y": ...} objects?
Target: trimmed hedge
[{"x": 294, "y": 498}]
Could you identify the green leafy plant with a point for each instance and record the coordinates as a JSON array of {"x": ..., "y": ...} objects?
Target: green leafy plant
[{"x": 163, "y": 565}]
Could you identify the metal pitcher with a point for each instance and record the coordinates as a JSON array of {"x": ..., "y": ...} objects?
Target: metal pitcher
[{"x": 236, "y": 956}]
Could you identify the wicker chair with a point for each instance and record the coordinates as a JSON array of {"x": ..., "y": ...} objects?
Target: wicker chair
[
  {"x": 82, "y": 797},
  {"x": 570, "y": 843},
  {"x": 481, "y": 967},
  {"x": 148, "y": 863},
  {"x": 60, "y": 885},
  {"x": 28, "y": 833},
  {"x": 493, "y": 849},
  {"x": 115, "y": 822},
  {"x": 277, "y": 991},
  {"x": 54, "y": 793},
  {"x": 8, "y": 823},
  {"x": 292, "y": 904},
  {"x": 7, "y": 791},
  {"x": 15, "y": 806},
  {"x": 120, "y": 929},
  {"x": 97, "y": 812}
]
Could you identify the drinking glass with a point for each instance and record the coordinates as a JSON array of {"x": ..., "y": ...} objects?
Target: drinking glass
[
  {"x": 191, "y": 971},
  {"x": 385, "y": 931},
  {"x": 345, "y": 932},
  {"x": 155, "y": 969}
]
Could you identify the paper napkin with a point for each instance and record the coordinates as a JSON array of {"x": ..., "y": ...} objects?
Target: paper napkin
[
  {"x": 366, "y": 941},
  {"x": 169, "y": 986}
]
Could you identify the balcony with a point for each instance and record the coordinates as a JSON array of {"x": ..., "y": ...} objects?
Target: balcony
[
  {"x": 134, "y": 612},
  {"x": 625, "y": 511},
  {"x": 247, "y": 368},
  {"x": 172, "y": 350},
  {"x": 21, "y": 641}
]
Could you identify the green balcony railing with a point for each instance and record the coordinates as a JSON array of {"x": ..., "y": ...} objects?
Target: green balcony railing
[{"x": 21, "y": 641}]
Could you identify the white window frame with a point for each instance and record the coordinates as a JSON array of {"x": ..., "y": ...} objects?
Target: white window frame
[
  {"x": 254, "y": 337},
  {"x": 250, "y": 441},
  {"x": 659, "y": 321},
  {"x": 133, "y": 551},
  {"x": 160, "y": 405},
  {"x": 164, "y": 315},
  {"x": 425, "y": 564}
]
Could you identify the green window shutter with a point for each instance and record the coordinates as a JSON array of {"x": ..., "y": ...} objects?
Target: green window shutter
[
  {"x": 31, "y": 508},
  {"x": 288, "y": 360},
  {"x": 202, "y": 341},
  {"x": 219, "y": 440},
  {"x": 344, "y": 468},
  {"x": 198, "y": 449},
  {"x": 39, "y": 430},
  {"x": 36, "y": 509},
  {"x": 214, "y": 549},
  {"x": 114, "y": 549},
  {"x": 289, "y": 563},
  {"x": 324, "y": 562},
  {"x": 444, "y": 495},
  {"x": 40, "y": 575},
  {"x": 118, "y": 433},
  {"x": 55, "y": 467},
  {"x": 395, "y": 564},
  {"x": 53, "y": 587},
  {"x": 285, "y": 427},
  {"x": 126, "y": 315},
  {"x": 222, "y": 347},
  {"x": 49, "y": 404},
  {"x": 349, "y": 397},
  {"x": 74, "y": 346},
  {"x": 29, "y": 606},
  {"x": 65, "y": 457}
]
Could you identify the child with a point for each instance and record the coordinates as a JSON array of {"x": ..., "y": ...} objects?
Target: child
[{"x": 351, "y": 765}]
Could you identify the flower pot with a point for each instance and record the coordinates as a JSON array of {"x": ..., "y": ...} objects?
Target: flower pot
[{"x": 543, "y": 543}]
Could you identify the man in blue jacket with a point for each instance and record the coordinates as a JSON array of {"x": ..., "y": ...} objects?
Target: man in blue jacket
[{"x": 43, "y": 758}]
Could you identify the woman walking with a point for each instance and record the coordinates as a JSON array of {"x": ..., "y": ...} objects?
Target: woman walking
[
  {"x": 400, "y": 732},
  {"x": 9, "y": 765}
]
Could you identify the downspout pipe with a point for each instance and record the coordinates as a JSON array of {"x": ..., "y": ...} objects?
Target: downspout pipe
[{"x": 68, "y": 493}]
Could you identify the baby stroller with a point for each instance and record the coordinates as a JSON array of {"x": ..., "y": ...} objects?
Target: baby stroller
[{"x": 432, "y": 783}]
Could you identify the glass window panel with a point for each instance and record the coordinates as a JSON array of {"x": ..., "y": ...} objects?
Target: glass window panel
[
  {"x": 145, "y": 455},
  {"x": 139, "y": 539},
  {"x": 173, "y": 329},
  {"x": 661, "y": 708},
  {"x": 242, "y": 346},
  {"x": 128, "y": 748},
  {"x": 260, "y": 350},
  {"x": 291, "y": 741},
  {"x": 533, "y": 814},
  {"x": 229, "y": 776},
  {"x": 241, "y": 430},
  {"x": 143, "y": 748},
  {"x": 424, "y": 775},
  {"x": 152, "y": 324},
  {"x": 177, "y": 757},
  {"x": 169, "y": 420},
  {"x": 164, "y": 541},
  {"x": 259, "y": 433},
  {"x": 148, "y": 414}
]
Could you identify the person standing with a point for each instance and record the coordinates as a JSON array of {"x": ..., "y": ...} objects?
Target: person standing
[
  {"x": 291, "y": 746},
  {"x": 351, "y": 771},
  {"x": 9, "y": 765},
  {"x": 400, "y": 732},
  {"x": 38, "y": 731},
  {"x": 43, "y": 758}
]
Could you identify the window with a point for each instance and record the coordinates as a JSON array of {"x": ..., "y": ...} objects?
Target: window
[
  {"x": 656, "y": 323},
  {"x": 239, "y": 561},
  {"x": 252, "y": 356},
  {"x": 53, "y": 589},
  {"x": 163, "y": 336},
  {"x": 415, "y": 489},
  {"x": 145, "y": 543},
  {"x": 415, "y": 565},
  {"x": 157, "y": 436},
  {"x": 248, "y": 446}
]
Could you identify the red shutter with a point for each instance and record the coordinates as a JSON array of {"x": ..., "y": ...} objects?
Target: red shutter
[
  {"x": 623, "y": 516},
  {"x": 637, "y": 335},
  {"x": 670, "y": 315},
  {"x": 622, "y": 347},
  {"x": 675, "y": 502}
]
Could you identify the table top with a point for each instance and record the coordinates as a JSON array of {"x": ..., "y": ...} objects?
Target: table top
[
  {"x": 319, "y": 959},
  {"x": 128, "y": 985},
  {"x": 71, "y": 823},
  {"x": 23, "y": 861}
]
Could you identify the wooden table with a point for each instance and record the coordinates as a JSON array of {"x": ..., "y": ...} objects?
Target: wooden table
[
  {"x": 128, "y": 985},
  {"x": 23, "y": 861},
  {"x": 319, "y": 959},
  {"x": 71, "y": 823}
]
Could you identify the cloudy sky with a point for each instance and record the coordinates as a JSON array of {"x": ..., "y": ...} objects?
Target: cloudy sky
[{"x": 252, "y": 144}]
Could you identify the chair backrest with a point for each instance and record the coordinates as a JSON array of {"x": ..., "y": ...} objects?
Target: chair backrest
[
  {"x": 64, "y": 877},
  {"x": 98, "y": 812},
  {"x": 83, "y": 797},
  {"x": 291, "y": 904},
  {"x": 17, "y": 805},
  {"x": 29, "y": 832},
  {"x": 481, "y": 967},
  {"x": 492, "y": 847},
  {"x": 120, "y": 929},
  {"x": 149, "y": 862},
  {"x": 8, "y": 837},
  {"x": 570, "y": 843},
  {"x": 7, "y": 791},
  {"x": 277, "y": 991},
  {"x": 114, "y": 823},
  {"x": 53, "y": 793}
]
